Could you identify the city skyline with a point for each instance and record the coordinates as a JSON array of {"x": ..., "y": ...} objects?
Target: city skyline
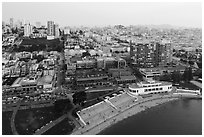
[
  {"x": 80, "y": 68},
  {"x": 107, "y": 13}
]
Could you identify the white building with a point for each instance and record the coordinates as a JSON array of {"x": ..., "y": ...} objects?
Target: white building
[
  {"x": 27, "y": 30},
  {"x": 66, "y": 30},
  {"x": 50, "y": 37},
  {"x": 150, "y": 87}
]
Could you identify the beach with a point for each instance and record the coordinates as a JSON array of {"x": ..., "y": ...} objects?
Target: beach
[{"x": 140, "y": 105}]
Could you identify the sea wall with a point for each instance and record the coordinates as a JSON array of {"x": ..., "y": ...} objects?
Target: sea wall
[{"x": 132, "y": 110}]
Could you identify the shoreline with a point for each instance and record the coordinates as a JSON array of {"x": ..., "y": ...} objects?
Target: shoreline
[
  {"x": 136, "y": 108},
  {"x": 137, "y": 112}
]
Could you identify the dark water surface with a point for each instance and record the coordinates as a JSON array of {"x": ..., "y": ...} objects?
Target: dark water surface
[
  {"x": 6, "y": 123},
  {"x": 181, "y": 117}
]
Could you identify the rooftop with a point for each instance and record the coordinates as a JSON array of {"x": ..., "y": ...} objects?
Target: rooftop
[
  {"x": 17, "y": 82},
  {"x": 91, "y": 78},
  {"x": 28, "y": 82},
  {"x": 179, "y": 67},
  {"x": 45, "y": 80},
  {"x": 90, "y": 73},
  {"x": 149, "y": 84},
  {"x": 131, "y": 77}
]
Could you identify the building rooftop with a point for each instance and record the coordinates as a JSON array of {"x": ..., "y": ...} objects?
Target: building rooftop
[
  {"x": 17, "y": 82},
  {"x": 45, "y": 80},
  {"x": 178, "y": 67},
  {"x": 131, "y": 77},
  {"x": 101, "y": 88},
  {"x": 151, "y": 83},
  {"x": 91, "y": 78},
  {"x": 90, "y": 73},
  {"x": 25, "y": 82}
]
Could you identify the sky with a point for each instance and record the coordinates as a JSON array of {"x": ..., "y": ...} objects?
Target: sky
[{"x": 185, "y": 14}]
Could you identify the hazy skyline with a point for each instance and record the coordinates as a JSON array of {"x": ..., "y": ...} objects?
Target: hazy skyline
[{"x": 187, "y": 14}]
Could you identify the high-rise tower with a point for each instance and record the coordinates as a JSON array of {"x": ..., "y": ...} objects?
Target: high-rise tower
[{"x": 50, "y": 28}]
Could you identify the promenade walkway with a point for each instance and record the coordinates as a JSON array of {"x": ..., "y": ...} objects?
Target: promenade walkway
[
  {"x": 11, "y": 107},
  {"x": 50, "y": 125},
  {"x": 126, "y": 110},
  {"x": 70, "y": 116},
  {"x": 57, "y": 121},
  {"x": 196, "y": 83},
  {"x": 13, "y": 127},
  {"x": 107, "y": 101}
]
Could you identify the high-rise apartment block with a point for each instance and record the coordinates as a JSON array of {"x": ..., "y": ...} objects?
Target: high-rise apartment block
[
  {"x": 50, "y": 28},
  {"x": 152, "y": 54},
  {"x": 145, "y": 54},
  {"x": 56, "y": 26},
  {"x": 11, "y": 22},
  {"x": 28, "y": 30},
  {"x": 163, "y": 53}
]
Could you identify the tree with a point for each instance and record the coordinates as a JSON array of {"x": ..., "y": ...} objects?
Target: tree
[
  {"x": 117, "y": 52},
  {"x": 176, "y": 76},
  {"x": 187, "y": 75},
  {"x": 74, "y": 83},
  {"x": 14, "y": 31},
  {"x": 39, "y": 58},
  {"x": 62, "y": 106},
  {"x": 165, "y": 77},
  {"x": 81, "y": 32},
  {"x": 79, "y": 97},
  {"x": 137, "y": 73},
  {"x": 84, "y": 54},
  {"x": 198, "y": 73},
  {"x": 122, "y": 51},
  {"x": 191, "y": 62},
  {"x": 97, "y": 55},
  {"x": 60, "y": 77},
  {"x": 63, "y": 78},
  {"x": 64, "y": 67},
  {"x": 7, "y": 31}
]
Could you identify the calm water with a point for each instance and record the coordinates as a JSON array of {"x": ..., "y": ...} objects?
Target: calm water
[
  {"x": 181, "y": 117},
  {"x": 6, "y": 128}
]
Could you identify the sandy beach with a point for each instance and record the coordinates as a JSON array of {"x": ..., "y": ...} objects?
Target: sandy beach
[{"x": 135, "y": 108}]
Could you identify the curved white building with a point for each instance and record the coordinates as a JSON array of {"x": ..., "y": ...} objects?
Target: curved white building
[{"x": 149, "y": 87}]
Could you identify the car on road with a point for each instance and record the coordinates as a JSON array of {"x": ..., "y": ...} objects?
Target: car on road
[
  {"x": 4, "y": 101},
  {"x": 9, "y": 99}
]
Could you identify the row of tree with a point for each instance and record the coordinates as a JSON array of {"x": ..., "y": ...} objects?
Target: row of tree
[
  {"x": 176, "y": 76},
  {"x": 79, "y": 97},
  {"x": 187, "y": 61},
  {"x": 62, "y": 106},
  {"x": 39, "y": 45}
]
